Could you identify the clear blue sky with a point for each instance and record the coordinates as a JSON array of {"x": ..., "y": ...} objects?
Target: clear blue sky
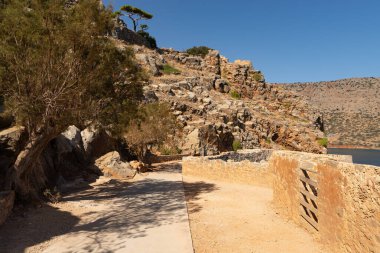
[{"x": 289, "y": 40}]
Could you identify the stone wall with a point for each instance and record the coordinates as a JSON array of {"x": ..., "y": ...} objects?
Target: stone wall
[
  {"x": 231, "y": 167},
  {"x": 166, "y": 158},
  {"x": 348, "y": 199}
]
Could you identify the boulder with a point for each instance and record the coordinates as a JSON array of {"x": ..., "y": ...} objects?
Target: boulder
[
  {"x": 150, "y": 97},
  {"x": 111, "y": 165},
  {"x": 74, "y": 137},
  {"x": 220, "y": 85},
  {"x": 192, "y": 97},
  {"x": 226, "y": 89},
  {"x": 65, "y": 156},
  {"x": 11, "y": 142},
  {"x": 150, "y": 62},
  {"x": 140, "y": 167},
  {"x": 192, "y": 143},
  {"x": 10, "y": 138},
  {"x": 97, "y": 142}
]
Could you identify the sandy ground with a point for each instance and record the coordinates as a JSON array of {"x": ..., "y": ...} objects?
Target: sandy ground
[{"x": 239, "y": 218}]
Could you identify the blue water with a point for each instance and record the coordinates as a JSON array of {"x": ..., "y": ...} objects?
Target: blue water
[{"x": 360, "y": 156}]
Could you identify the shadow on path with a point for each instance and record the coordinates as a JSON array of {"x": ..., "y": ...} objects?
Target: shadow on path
[
  {"x": 38, "y": 225},
  {"x": 115, "y": 212}
]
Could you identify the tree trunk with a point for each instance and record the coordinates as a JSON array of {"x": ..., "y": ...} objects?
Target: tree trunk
[
  {"x": 135, "y": 26},
  {"x": 24, "y": 169}
]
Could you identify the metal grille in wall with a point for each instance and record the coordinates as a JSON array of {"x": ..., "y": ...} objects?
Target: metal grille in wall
[{"x": 308, "y": 195}]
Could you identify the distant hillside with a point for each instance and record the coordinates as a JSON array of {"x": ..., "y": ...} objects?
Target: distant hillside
[{"x": 351, "y": 108}]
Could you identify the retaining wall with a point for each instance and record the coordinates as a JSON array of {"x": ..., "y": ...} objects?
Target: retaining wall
[
  {"x": 247, "y": 167},
  {"x": 347, "y": 199},
  {"x": 166, "y": 158}
]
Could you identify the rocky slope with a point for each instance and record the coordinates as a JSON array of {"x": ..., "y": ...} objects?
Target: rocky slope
[
  {"x": 200, "y": 94},
  {"x": 350, "y": 107}
]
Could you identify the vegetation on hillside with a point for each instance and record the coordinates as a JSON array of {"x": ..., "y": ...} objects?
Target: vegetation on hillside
[
  {"x": 323, "y": 142},
  {"x": 169, "y": 70},
  {"x": 234, "y": 94},
  {"x": 155, "y": 122},
  {"x": 199, "y": 51},
  {"x": 236, "y": 145},
  {"x": 258, "y": 76},
  {"x": 150, "y": 39},
  {"x": 57, "y": 68}
]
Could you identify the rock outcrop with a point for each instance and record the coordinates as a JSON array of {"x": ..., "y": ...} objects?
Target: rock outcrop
[
  {"x": 11, "y": 142},
  {"x": 217, "y": 102}
]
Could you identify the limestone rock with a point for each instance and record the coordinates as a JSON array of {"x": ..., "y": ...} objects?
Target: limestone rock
[
  {"x": 111, "y": 165},
  {"x": 138, "y": 166},
  {"x": 150, "y": 97},
  {"x": 263, "y": 116},
  {"x": 10, "y": 138},
  {"x": 97, "y": 142},
  {"x": 221, "y": 85}
]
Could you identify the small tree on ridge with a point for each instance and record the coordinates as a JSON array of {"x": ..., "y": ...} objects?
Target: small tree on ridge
[{"x": 136, "y": 14}]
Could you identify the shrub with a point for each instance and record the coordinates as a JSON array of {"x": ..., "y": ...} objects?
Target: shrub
[
  {"x": 234, "y": 94},
  {"x": 323, "y": 142},
  {"x": 236, "y": 145},
  {"x": 199, "y": 51},
  {"x": 166, "y": 150},
  {"x": 168, "y": 70},
  {"x": 151, "y": 40},
  {"x": 258, "y": 76},
  {"x": 153, "y": 125}
]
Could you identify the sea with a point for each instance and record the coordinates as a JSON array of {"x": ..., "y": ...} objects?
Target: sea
[{"x": 359, "y": 156}]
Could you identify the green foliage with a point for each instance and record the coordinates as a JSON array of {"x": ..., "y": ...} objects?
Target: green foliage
[
  {"x": 135, "y": 14},
  {"x": 236, "y": 145},
  {"x": 117, "y": 14},
  {"x": 258, "y": 76},
  {"x": 234, "y": 94},
  {"x": 151, "y": 40},
  {"x": 136, "y": 11},
  {"x": 61, "y": 69},
  {"x": 152, "y": 126},
  {"x": 168, "y": 70},
  {"x": 57, "y": 68},
  {"x": 323, "y": 142},
  {"x": 144, "y": 27},
  {"x": 199, "y": 51}
]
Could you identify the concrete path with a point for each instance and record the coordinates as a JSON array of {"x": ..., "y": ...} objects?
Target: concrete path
[{"x": 148, "y": 215}]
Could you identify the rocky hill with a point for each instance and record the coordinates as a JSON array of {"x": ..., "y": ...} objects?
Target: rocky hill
[
  {"x": 218, "y": 102},
  {"x": 350, "y": 107}
]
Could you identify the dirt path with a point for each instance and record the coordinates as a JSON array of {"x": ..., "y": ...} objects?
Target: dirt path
[
  {"x": 146, "y": 215},
  {"x": 239, "y": 218},
  {"x": 150, "y": 215}
]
